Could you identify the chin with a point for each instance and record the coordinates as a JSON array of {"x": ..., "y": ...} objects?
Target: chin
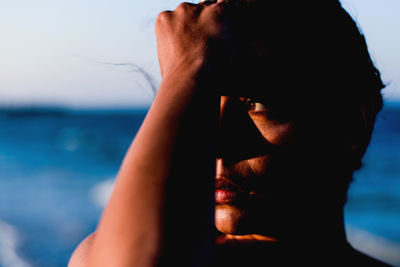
[
  {"x": 230, "y": 219},
  {"x": 241, "y": 220}
]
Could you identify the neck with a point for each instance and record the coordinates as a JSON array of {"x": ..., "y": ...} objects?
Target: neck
[
  {"x": 320, "y": 231},
  {"x": 313, "y": 241}
]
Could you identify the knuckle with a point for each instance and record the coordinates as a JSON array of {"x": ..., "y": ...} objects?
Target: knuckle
[
  {"x": 184, "y": 6},
  {"x": 220, "y": 11},
  {"x": 187, "y": 8},
  {"x": 163, "y": 17},
  {"x": 220, "y": 7}
]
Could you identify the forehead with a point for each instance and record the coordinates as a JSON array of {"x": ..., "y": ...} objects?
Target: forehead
[
  {"x": 261, "y": 70},
  {"x": 293, "y": 57}
]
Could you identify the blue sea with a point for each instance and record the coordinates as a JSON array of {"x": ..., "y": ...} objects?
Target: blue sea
[{"x": 57, "y": 167}]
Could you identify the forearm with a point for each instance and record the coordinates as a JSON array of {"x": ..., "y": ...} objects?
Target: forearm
[{"x": 131, "y": 231}]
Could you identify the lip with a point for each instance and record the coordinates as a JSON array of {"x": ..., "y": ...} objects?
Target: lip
[{"x": 227, "y": 191}]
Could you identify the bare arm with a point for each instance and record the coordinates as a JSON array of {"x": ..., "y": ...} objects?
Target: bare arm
[{"x": 164, "y": 189}]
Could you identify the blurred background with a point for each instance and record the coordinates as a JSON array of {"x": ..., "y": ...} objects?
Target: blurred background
[{"x": 76, "y": 80}]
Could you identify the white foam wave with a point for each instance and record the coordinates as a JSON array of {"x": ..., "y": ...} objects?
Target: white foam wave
[
  {"x": 101, "y": 192},
  {"x": 373, "y": 245},
  {"x": 9, "y": 242}
]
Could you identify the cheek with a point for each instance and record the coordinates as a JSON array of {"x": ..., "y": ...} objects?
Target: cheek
[
  {"x": 259, "y": 165},
  {"x": 274, "y": 132}
]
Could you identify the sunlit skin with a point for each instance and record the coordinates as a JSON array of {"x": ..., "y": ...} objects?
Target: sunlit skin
[
  {"x": 229, "y": 216},
  {"x": 277, "y": 159},
  {"x": 266, "y": 164}
]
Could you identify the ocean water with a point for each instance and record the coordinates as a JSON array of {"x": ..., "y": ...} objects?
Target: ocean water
[{"x": 57, "y": 168}]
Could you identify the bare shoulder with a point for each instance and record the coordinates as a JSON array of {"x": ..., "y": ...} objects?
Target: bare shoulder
[{"x": 80, "y": 256}]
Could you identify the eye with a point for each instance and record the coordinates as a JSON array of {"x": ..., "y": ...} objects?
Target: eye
[
  {"x": 255, "y": 106},
  {"x": 276, "y": 113}
]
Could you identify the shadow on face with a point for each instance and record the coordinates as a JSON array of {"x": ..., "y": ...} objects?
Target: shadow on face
[
  {"x": 297, "y": 114},
  {"x": 285, "y": 154}
]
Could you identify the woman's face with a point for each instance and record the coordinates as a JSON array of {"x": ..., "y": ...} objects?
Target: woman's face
[
  {"x": 257, "y": 149},
  {"x": 277, "y": 164},
  {"x": 279, "y": 152}
]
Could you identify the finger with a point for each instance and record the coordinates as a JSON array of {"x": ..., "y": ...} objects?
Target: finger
[
  {"x": 186, "y": 5},
  {"x": 163, "y": 18},
  {"x": 188, "y": 9}
]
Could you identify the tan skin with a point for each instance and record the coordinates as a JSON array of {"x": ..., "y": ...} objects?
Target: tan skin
[{"x": 132, "y": 229}]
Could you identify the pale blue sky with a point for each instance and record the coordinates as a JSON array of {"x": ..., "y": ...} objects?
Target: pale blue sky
[{"x": 50, "y": 49}]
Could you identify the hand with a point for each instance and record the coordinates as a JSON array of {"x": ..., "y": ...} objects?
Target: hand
[{"x": 188, "y": 34}]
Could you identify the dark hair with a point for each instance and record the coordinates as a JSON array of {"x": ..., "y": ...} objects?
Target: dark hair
[
  {"x": 331, "y": 73},
  {"x": 324, "y": 51}
]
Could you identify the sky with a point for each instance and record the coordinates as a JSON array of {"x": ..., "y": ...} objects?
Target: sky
[{"x": 87, "y": 53}]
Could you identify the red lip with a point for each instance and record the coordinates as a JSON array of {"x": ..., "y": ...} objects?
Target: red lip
[{"x": 227, "y": 191}]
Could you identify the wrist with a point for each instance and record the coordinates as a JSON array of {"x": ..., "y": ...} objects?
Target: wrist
[
  {"x": 190, "y": 66},
  {"x": 185, "y": 88}
]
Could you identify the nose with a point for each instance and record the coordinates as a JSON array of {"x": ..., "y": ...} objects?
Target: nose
[{"x": 238, "y": 136}]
